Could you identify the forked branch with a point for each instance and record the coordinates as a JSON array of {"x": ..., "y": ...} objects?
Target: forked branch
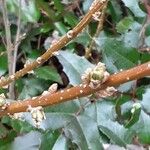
[{"x": 56, "y": 46}]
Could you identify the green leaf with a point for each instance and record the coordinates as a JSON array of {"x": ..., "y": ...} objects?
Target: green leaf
[
  {"x": 41, "y": 4},
  {"x": 27, "y": 141},
  {"x": 71, "y": 19},
  {"x": 83, "y": 38},
  {"x": 10, "y": 137},
  {"x": 3, "y": 131},
  {"x": 29, "y": 11},
  {"x": 69, "y": 107},
  {"x": 141, "y": 128},
  {"x": 48, "y": 140},
  {"x": 76, "y": 127},
  {"x": 61, "y": 27},
  {"x": 114, "y": 10},
  {"x": 131, "y": 37},
  {"x": 73, "y": 65},
  {"x": 124, "y": 24},
  {"x": 48, "y": 73},
  {"x": 86, "y": 5},
  {"x": 61, "y": 143},
  {"x": 134, "y": 7},
  {"x": 146, "y": 100},
  {"x": 21, "y": 126},
  {"x": 106, "y": 117},
  {"x": 134, "y": 117},
  {"x": 32, "y": 87},
  {"x": 112, "y": 136},
  {"x": 58, "y": 5},
  {"x": 3, "y": 65},
  {"x": 116, "y": 55}
]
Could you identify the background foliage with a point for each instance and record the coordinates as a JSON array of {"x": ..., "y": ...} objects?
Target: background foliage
[{"x": 67, "y": 125}]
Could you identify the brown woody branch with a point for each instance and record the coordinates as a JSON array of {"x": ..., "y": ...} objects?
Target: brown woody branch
[
  {"x": 55, "y": 47},
  {"x": 78, "y": 91}
]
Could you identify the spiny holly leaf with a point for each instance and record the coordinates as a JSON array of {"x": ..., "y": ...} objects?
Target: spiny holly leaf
[
  {"x": 81, "y": 129},
  {"x": 134, "y": 7},
  {"x": 115, "y": 54},
  {"x": 106, "y": 117}
]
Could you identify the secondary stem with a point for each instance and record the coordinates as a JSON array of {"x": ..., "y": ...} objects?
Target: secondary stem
[{"x": 8, "y": 46}]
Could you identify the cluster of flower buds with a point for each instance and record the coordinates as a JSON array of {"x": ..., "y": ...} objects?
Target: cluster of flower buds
[
  {"x": 95, "y": 76},
  {"x": 96, "y": 15},
  {"x": 28, "y": 62},
  {"x": 18, "y": 116},
  {"x": 3, "y": 79},
  {"x": 3, "y": 103},
  {"x": 52, "y": 89},
  {"x": 37, "y": 114},
  {"x": 109, "y": 91}
]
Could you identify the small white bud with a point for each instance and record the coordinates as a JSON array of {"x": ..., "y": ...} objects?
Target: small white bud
[
  {"x": 53, "y": 88},
  {"x": 70, "y": 34},
  {"x": 39, "y": 60}
]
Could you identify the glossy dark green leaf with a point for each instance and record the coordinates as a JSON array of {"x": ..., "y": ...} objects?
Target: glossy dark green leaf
[
  {"x": 124, "y": 24},
  {"x": 48, "y": 73},
  {"x": 134, "y": 7},
  {"x": 114, "y": 10},
  {"x": 134, "y": 118},
  {"x": 112, "y": 136},
  {"x": 145, "y": 101},
  {"x": 3, "y": 65},
  {"x": 141, "y": 128},
  {"x": 116, "y": 55},
  {"x": 29, "y": 11},
  {"x": 71, "y": 19},
  {"x": 61, "y": 143},
  {"x": 106, "y": 117},
  {"x": 49, "y": 139},
  {"x": 58, "y": 5},
  {"x": 73, "y": 65},
  {"x": 61, "y": 27},
  {"x": 82, "y": 129},
  {"x": 32, "y": 87}
]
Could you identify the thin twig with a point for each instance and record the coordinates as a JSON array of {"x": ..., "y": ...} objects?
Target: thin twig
[
  {"x": 145, "y": 24},
  {"x": 98, "y": 30},
  {"x": 8, "y": 44},
  {"x": 17, "y": 42}
]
